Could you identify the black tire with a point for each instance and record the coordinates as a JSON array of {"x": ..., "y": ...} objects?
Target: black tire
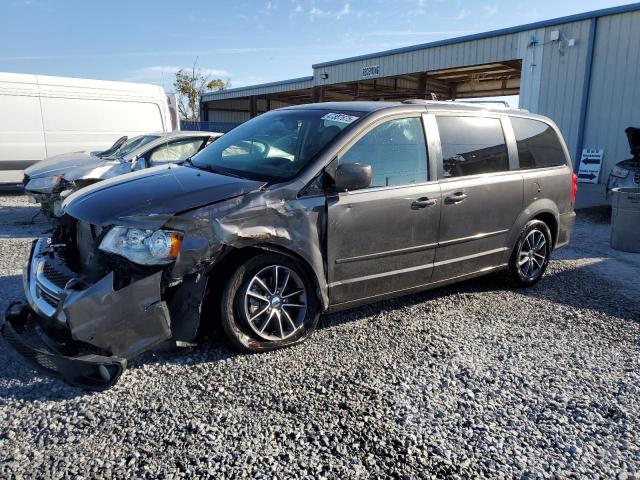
[
  {"x": 530, "y": 273},
  {"x": 236, "y": 305}
]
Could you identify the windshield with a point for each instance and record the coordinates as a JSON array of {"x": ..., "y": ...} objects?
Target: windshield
[
  {"x": 113, "y": 148},
  {"x": 132, "y": 144},
  {"x": 274, "y": 146}
]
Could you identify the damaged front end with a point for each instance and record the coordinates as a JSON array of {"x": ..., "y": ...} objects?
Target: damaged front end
[
  {"x": 80, "y": 328},
  {"x": 94, "y": 303},
  {"x": 52, "y": 187},
  {"x": 49, "y": 192}
]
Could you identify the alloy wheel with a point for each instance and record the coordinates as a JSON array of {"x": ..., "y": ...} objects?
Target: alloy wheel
[
  {"x": 275, "y": 303},
  {"x": 533, "y": 254}
]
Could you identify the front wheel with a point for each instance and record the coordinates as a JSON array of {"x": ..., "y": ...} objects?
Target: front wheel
[
  {"x": 531, "y": 254},
  {"x": 268, "y": 302}
]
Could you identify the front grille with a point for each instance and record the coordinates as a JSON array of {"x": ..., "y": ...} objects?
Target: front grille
[
  {"x": 637, "y": 177},
  {"x": 49, "y": 275},
  {"x": 56, "y": 276},
  {"x": 48, "y": 297}
]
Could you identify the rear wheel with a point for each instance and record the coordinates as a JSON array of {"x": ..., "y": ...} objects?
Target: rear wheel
[
  {"x": 531, "y": 254},
  {"x": 268, "y": 303}
]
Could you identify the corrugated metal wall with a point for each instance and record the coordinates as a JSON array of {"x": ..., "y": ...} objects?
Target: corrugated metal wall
[
  {"x": 562, "y": 79},
  {"x": 505, "y": 47},
  {"x": 295, "y": 84},
  {"x": 531, "y": 47},
  {"x": 614, "y": 100}
]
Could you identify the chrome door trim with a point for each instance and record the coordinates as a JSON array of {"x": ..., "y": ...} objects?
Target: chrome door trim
[
  {"x": 388, "y": 253},
  {"x": 471, "y": 238}
]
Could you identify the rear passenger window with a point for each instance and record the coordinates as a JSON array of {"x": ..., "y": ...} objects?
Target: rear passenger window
[
  {"x": 538, "y": 144},
  {"x": 396, "y": 151},
  {"x": 472, "y": 145}
]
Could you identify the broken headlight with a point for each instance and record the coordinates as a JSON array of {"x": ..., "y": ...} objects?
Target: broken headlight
[
  {"x": 44, "y": 184},
  {"x": 145, "y": 247}
]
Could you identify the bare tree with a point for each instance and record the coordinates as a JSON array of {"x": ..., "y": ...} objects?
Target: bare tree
[{"x": 189, "y": 85}]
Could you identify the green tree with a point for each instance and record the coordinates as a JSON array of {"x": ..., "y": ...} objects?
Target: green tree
[{"x": 189, "y": 85}]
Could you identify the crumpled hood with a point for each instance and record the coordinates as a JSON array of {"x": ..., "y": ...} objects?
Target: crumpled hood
[
  {"x": 164, "y": 190},
  {"x": 70, "y": 165}
]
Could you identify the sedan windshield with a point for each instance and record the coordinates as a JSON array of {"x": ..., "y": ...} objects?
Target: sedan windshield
[
  {"x": 276, "y": 145},
  {"x": 132, "y": 144}
]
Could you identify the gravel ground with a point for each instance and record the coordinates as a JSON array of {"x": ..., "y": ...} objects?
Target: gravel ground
[{"x": 473, "y": 380}]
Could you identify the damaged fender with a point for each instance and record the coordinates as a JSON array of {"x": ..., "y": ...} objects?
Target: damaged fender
[{"x": 294, "y": 226}]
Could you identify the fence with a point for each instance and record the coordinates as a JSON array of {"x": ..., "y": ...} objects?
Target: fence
[{"x": 222, "y": 127}]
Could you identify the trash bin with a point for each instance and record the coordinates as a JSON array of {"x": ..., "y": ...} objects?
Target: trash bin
[{"x": 625, "y": 219}]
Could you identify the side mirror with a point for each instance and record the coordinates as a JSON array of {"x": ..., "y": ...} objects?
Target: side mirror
[{"x": 352, "y": 176}]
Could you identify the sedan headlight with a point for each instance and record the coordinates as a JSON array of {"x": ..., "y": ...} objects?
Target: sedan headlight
[
  {"x": 146, "y": 247},
  {"x": 620, "y": 172},
  {"x": 44, "y": 184}
]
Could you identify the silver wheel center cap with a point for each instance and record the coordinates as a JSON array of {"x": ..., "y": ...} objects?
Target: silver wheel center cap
[{"x": 275, "y": 301}]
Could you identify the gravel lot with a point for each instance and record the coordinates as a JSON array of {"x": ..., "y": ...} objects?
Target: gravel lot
[{"x": 473, "y": 380}]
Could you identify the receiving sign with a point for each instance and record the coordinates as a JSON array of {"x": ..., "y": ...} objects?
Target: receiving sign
[{"x": 590, "y": 164}]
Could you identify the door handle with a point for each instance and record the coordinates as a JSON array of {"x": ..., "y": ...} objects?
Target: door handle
[
  {"x": 423, "y": 202},
  {"x": 456, "y": 198}
]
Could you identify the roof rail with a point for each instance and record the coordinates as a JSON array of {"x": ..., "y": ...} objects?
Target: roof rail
[
  {"x": 421, "y": 101},
  {"x": 493, "y": 104},
  {"x": 488, "y": 102}
]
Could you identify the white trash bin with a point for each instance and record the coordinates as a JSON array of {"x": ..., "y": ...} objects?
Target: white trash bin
[{"x": 625, "y": 219}]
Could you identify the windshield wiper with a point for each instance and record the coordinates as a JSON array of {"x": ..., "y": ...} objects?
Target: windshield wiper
[{"x": 209, "y": 168}]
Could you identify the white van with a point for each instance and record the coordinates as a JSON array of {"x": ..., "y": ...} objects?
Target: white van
[{"x": 42, "y": 116}]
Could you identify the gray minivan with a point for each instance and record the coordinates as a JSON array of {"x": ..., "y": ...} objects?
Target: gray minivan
[{"x": 299, "y": 211}]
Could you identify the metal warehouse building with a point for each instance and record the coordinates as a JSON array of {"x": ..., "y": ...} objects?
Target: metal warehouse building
[{"x": 582, "y": 71}]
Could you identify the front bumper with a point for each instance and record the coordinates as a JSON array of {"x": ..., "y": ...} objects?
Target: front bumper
[
  {"x": 112, "y": 325},
  {"x": 92, "y": 372}
]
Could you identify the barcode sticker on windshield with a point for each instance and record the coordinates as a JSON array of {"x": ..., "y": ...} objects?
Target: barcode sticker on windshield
[{"x": 340, "y": 117}]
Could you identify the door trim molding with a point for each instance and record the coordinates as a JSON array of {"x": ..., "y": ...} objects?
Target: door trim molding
[
  {"x": 419, "y": 248},
  {"x": 388, "y": 253},
  {"x": 479, "y": 236}
]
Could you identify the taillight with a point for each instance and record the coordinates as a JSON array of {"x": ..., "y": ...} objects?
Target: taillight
[{"x": 574, "y": 188}]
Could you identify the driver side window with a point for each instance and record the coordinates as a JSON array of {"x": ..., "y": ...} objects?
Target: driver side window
[
  {"x": 396, "y": 151},
  {"x": 176, "y": 151}
]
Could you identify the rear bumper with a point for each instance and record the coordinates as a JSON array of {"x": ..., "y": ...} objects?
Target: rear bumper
[
  {"x": 92, "y": 372},
  {"x": 565, "y": 228}
]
